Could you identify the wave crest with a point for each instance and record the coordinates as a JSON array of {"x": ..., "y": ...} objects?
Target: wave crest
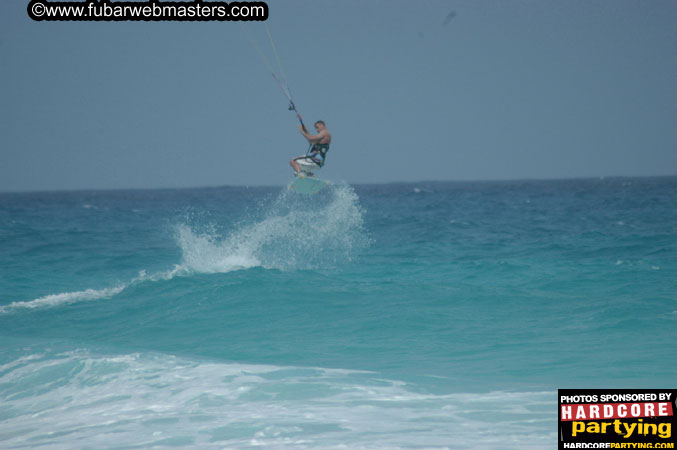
[{"x": 296, "y": 232}]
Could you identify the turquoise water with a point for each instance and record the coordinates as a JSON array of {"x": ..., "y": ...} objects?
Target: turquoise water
[{"x": 423, "y": 315}]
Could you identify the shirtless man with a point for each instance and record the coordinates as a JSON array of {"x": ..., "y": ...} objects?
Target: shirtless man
[{"x": 314, "y": 159}]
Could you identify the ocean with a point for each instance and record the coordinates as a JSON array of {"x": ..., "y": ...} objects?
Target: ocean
[{"x": 406, "y": 315}]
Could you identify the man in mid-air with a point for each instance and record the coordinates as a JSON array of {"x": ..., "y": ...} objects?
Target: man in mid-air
[{"x": 314, "y": 159}]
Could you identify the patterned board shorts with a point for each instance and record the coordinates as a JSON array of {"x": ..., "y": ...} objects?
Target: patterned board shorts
[{"x": 307, "y": 164}]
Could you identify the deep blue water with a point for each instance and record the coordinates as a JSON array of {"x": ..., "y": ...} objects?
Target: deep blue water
[{"x": 422, "y": 315}]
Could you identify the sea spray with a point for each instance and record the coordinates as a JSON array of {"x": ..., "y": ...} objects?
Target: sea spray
[{"x": 295, "y": 233}]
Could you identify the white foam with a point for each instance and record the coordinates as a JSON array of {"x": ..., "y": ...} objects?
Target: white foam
[
  {"x": 144, "y": 399},
  {"x": 67, "y": 298},
  {"x": 64, "y": 298}
]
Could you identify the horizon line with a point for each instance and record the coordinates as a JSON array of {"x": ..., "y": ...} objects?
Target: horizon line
[{"x": 263, "y": 186}]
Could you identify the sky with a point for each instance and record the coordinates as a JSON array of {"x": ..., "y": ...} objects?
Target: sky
[{"x": 410, "y": 90}]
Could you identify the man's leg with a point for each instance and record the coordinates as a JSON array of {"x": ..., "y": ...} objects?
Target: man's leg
[{"x": 304, "y": 165}]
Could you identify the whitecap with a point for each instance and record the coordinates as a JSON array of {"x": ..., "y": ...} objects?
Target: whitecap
[
  {"x": 64, "y": 298},
  {"x": 141, "y": 399}
]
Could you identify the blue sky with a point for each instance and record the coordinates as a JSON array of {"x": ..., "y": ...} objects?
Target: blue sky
[{"x": 505, "y": 90}]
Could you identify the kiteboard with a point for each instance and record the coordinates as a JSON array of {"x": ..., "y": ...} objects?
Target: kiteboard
[{"x": 304, "y": 184}]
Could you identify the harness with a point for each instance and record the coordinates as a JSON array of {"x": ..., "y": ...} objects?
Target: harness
[{"x": 316, "y": 149}]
